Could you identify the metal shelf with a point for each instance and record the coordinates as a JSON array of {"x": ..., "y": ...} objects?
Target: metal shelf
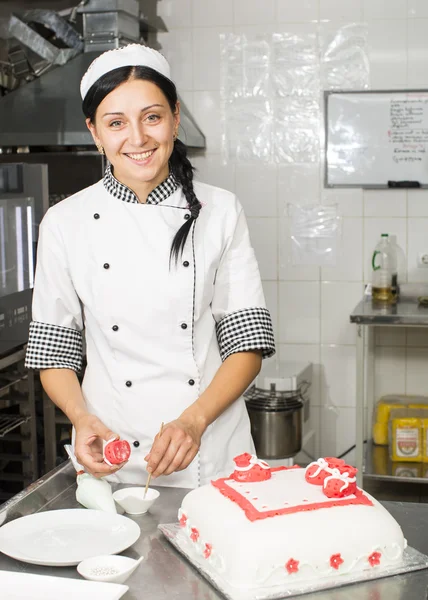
[
  {"x": 10, "y": 422},
  {"x": 14, "y": 457},
  {"x": 6, "y": 385},
  {"x": 18, "y": 437},
  {"x": 14, "y": 397},
  {"x": 12, "y": 359},
  {"x": 19, "y": 467},
  {"x": 378, "y": 465}
]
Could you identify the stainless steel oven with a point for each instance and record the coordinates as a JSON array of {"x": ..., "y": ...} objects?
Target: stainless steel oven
[
  {"x": 17, "y": 228},
  {"x": 23, "y": 202}
]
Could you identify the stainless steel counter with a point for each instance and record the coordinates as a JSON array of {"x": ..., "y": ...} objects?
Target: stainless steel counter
[
  {"x": 165, "y": 575},
  {"x": 403, "y": 313}
]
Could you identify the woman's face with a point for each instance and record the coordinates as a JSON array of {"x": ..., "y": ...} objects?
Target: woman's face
[{"x": 136, "y": 127}]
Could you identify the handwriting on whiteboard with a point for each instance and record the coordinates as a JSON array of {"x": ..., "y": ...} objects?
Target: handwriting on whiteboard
[{"x": 408, "y": 132}]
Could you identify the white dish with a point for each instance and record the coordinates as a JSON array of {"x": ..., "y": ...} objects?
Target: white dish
[
  {"x": 22, "y": 586},
  {"x": 132, "y": 499},
  {"x": 60, "y": 538},
  {"x": 113, "y": 568}
]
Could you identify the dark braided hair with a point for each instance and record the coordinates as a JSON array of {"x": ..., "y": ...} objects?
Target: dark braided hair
[
  {"x": 179, "y": 164},
  {"x": 182, "y": 170}
]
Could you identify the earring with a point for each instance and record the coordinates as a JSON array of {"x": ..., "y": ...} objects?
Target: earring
[
  {"x": 100, "y": 149},
  {"x": 175, "y": 136}
]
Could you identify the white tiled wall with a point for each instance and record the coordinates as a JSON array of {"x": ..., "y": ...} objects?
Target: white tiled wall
[{"x": 310, "y": 306}]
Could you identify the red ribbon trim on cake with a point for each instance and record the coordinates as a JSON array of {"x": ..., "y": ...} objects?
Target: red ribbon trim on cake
[
  {"x": 273, "y": 469},
  {"x": 253, "y": 514}
]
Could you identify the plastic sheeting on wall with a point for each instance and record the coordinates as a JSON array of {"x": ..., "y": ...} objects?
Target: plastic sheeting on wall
[
  {"x": 344, "y": 57},
  {"x": 271, "y": 90},
  {"x": 315, "y": 232}
]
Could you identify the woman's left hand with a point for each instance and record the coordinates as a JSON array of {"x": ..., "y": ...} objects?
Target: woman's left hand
[{"x": 175, "y": 448}]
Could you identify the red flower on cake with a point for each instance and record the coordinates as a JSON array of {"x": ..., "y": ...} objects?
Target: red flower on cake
[
  {"x": 292, "y": 566},
  {"x": 183, "y": 520},
  {"x": 374, "y": 559},
  {"x": 194, "y": 536},
  {"x": 207, "y": 550},
  {"x": 336, "y": 560}
]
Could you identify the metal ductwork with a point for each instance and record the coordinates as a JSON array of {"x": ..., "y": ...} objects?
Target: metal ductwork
[{"x": 48, "y": 57}]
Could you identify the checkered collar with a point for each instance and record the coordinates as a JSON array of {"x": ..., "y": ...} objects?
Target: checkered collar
[{"x": 122, "y": 192}]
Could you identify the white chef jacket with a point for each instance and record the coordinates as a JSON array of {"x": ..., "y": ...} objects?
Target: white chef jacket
[{"x": 156, "y": 333}]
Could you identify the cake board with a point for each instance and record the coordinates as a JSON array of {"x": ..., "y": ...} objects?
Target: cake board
[{"x": 413, "y": 560}]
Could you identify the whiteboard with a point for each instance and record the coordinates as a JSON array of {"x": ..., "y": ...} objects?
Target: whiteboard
[{"x": 376, "y": 137}]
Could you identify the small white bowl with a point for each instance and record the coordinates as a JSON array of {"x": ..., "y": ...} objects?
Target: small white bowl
[
  {"x": 109, "y": 568},
  {"x": 132, "y": 499}
]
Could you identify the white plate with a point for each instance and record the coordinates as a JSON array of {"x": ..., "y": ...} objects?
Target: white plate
[
  {"x": 61, "y": 538},
  {"x": 22, "y": 586}
]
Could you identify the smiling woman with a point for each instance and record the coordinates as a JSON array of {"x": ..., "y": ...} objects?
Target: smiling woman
[{"x": 160, "y": 273}]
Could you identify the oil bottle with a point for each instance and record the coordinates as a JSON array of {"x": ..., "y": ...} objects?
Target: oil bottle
[{"x": 384, "y": 275}]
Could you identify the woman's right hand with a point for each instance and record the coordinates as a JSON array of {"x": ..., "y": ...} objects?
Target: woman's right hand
[{"x": 88, "y": 445}]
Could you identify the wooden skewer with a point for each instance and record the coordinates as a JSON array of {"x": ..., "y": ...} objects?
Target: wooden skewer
[{"x": 150, "y": 475}]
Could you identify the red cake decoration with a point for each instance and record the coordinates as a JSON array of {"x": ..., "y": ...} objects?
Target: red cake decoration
[
  {"x": 250, "y": 468},
  {"x": 194, "y": 536},
  {"x": 317, "y": 471},
  {"x": 337, "y": 478},
  {"x": 336, "y": 560},
  {"x": 207, "y": 550},
  {"x": 374, "y": 559},
  {"x": 183, "y": 520},
  {"x": 116, "y": 451},
  {"x": 342, "y": 482},
  {"x": 292, "y": 566},
  {"x": 338, "y": 483}
]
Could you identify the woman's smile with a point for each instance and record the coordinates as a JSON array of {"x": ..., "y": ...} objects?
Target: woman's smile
[{"x": 141, "y": 158}]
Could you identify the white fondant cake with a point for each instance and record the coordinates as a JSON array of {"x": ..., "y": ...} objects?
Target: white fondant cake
[{"x": 286, "y": 528}]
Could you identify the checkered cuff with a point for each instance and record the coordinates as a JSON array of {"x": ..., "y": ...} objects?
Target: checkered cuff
[
  {"x": 53, "y": 347},
  {"x": 248, "y": 329}
]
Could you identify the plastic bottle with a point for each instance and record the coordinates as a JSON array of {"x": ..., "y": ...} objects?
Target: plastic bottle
[{"x": 384, "y": 275}]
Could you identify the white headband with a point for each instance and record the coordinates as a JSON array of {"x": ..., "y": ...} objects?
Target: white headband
[{"x": 130, "y": 56}]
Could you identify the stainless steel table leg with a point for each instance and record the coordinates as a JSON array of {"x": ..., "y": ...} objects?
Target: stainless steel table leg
[
  {"x": 360, "y": 404},
  {"x": 49, "y": 432},
  {"x": 370, "y": 381}
]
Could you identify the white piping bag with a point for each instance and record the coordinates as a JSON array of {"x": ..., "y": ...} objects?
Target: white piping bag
[{"x": 91, "y": 492}]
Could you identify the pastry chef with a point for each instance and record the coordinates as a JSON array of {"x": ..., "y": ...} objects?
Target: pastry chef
[{"x": 158, "y": 271}]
